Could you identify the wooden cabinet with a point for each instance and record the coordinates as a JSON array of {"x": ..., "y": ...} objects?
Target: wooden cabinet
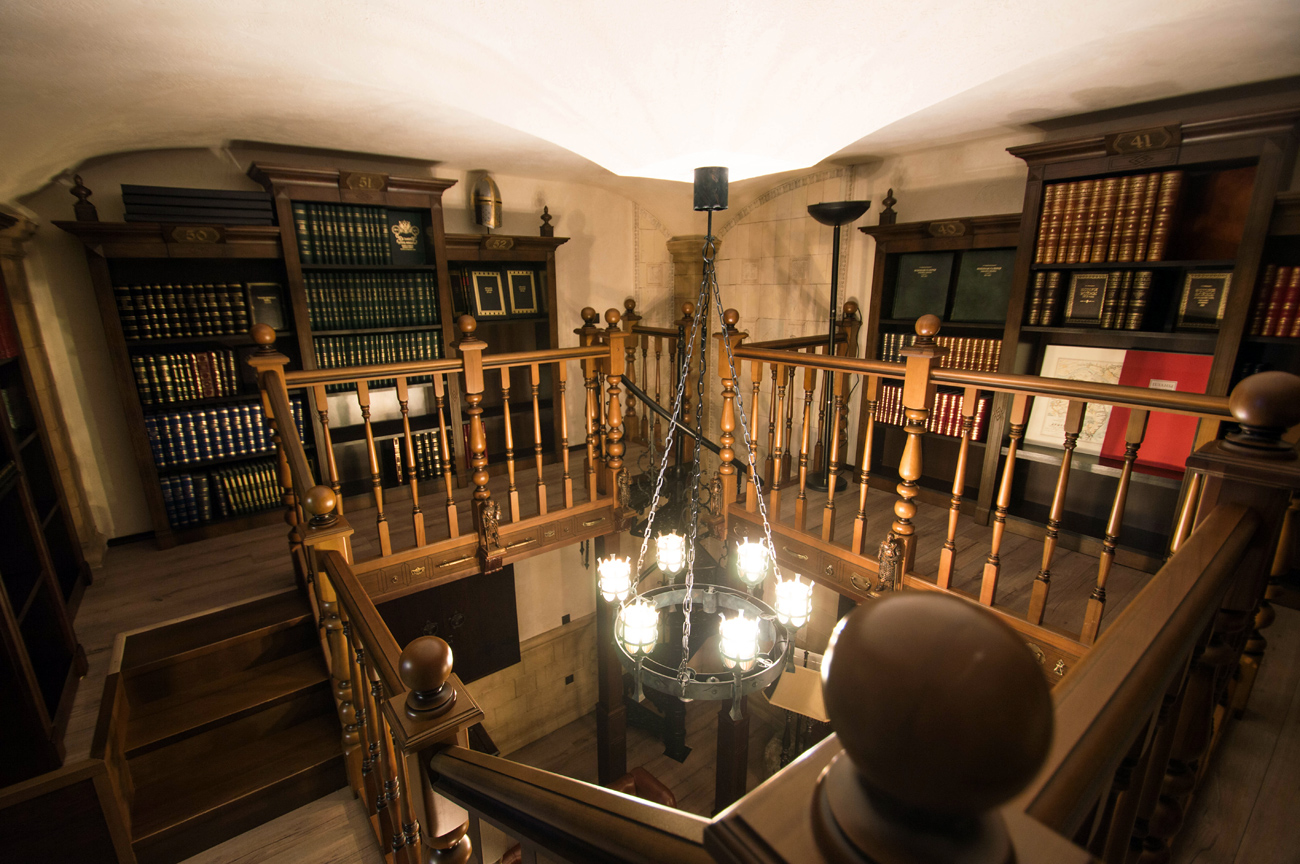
[{"x": 41, "y": 566}]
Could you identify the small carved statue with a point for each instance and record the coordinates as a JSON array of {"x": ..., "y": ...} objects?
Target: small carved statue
[
  {"x": 891, "y": 552},
  {"x": 491, "y": 525},
  {"x": 715, "y": 495},
  {"x": 624, "y": 490}
]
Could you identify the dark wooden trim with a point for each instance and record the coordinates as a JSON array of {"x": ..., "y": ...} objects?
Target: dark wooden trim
[{"x": 1286, "y": 215}]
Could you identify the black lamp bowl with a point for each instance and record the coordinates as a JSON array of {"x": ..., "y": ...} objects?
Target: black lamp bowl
[{"x": 838, "y": 212}]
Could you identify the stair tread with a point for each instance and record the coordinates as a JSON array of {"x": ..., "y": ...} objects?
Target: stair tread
[
  {"x": 209, "y": 702},
  {"x": 193, "y": 789}
]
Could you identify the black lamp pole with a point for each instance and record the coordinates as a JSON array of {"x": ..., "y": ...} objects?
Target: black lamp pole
[{"x": 837, "y": 214}]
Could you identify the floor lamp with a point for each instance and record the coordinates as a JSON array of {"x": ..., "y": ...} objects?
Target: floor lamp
[{"x": 837, "y": 214}]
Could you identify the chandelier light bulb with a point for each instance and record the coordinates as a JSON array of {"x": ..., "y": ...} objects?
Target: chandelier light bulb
[
  {"x": 751, "y": 562},
  {"x": 639, "y": 627},
  {"x": 615, "y": 576},
  {"x": 793, "y": 602},
  {"x": 670, "y": 550},
  {"x": 738, "y": 641}
]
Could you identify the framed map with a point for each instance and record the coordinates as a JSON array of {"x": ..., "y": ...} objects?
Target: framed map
[{"x": 1047, "y": 417}]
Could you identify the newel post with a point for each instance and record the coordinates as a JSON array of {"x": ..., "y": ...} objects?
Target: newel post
[
  {"x": 486, "y": 512},
  {"x": 920, "y": 358},
  {"x": 614, "y": 431},
  {"x": 728, "y": 341},
  {"x": 587, "y": 335},
  {"x": 632, "y": 424}
]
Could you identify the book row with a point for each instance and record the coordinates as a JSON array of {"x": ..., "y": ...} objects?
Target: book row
[
  {"x": 345, "y": 301},
  {"x": 964, "y": 352},
  {"x": 1277, "y": 302},
  {"x": 427, "y": 450},
  {"x": 170, "y": 311},
  {"x": 165, "y": 378},
  {"x": 373, "y": 349},
  {"x": 342, "y": 234},
  {"x": 184, "y": 437},
  {"x": 240, "y": 490},
  {"x": 945, "y": 412},
  {"x": 1113, "y": 301},
  {"x": 494, "y": 292},
  {"x": 1108, "y": 219},
  {"x": 973, "y": 285}
]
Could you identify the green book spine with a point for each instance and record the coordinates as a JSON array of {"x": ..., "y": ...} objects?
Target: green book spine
[
  {"x": 300, "y": 230},
  {"x": 1110, "y": 300}
]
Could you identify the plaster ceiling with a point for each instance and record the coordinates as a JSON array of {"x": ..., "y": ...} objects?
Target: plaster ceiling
[{"x": 599, "y": 92}]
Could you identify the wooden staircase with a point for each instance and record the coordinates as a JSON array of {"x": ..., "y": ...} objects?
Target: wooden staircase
[{"x": 214, "y": 724}]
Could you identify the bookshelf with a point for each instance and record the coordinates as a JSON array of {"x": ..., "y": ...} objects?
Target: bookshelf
[
  {"x": 176, "y": 304},
  {"x": 943, "y": 251},
  {"x": 41, "y": 568}
]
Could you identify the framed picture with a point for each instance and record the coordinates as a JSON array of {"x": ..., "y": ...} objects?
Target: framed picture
[
  {"x": 1085, "y": 298},
  {"x": 1047, "y": 417},
  {"x": 1205, "y": 296},
  {"x": 266, "y": 304},
  {"x": 489, "y": 298},
  {"x": 523, "y": 292}
]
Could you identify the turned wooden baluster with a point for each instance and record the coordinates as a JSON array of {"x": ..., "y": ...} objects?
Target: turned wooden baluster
[
  {"x": 993, "y": 564},
  {"x": 1154, "y": 772},
  {"x": 408, "y": 453},
  {"x": 593, "y": 397},
  {"x": 870, "y": 392},
  {"x": 789, "y": 424},
  {"x": 1074, "y": 414},
  {"x": 645, "y": 373},
  {"x": 751, "y": 490},
  {"x": 920, "y": 358},
  {"x": 727, "y": 421},
  {"x": 1133, "y": 435},
  {"x": 801, "y": 502},
  {"x": 819, "y": 446},
  {"x": 1187, "y": 511},
  {"x": 631, "y": 423},
  {"x": 371, "y": 787},
  {"x": 1116, "y": 808},
  {"x": 439, "y": 391},
  {"x": 331, "y": 466},
  {"x": 828, "y": 511},
  {"x": 535, "y": 379},
  {"x": 471, "y": 351},
  {"x": 512, "y": 490},
  {"x": 386, "y": 811},
  {"x": 562, "y": 386},
  {"x": 270, "y": 365},
  {"x": 773, "y": 423},
  {"x": 376, "y": 481},
  {"x": 1265, "y": 615},
  {"x": 614, "y": 445},
  {"x": 659, "y": 378},
  {"x": 779, "y": 445},
  {"x": 948, "y": 554}
]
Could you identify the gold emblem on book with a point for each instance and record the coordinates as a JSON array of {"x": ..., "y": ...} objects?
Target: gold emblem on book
[{"x": 406, "y": 235}]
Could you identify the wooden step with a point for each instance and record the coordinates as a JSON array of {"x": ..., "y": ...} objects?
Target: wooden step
[
  {"x": 205, "y": 801},
  {"x": 206, "y": 704}
]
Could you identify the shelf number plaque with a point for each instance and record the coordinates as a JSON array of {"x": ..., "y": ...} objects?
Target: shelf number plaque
[
  {"x": 1143, "y": 140},
  {"x": 951, "y": 228},
  {"x": 363, "y": 181},
  {"x": 196, "y": 234}
]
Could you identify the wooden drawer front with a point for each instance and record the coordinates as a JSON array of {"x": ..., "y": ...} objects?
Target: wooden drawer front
[
  {"x": 560, "y": 529},
  {"x": 370, "y": 582},
  {"x": 392, "y": 577},
  {"x": 795, "y": 557},
  {"x": 418, "y": 571},
  {"x": 593, "y": 523},
  {"x": 523, "y": 541},
  {"x": 855, "y": 581}
]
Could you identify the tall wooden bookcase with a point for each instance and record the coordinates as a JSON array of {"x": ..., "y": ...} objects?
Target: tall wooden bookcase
[{"x": 41, "y": 565}]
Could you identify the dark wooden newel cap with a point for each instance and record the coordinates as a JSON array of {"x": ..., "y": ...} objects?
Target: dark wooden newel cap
[
  {"x": 612, "y": 317},
  {"x": 467, "y": 324},
  {"x": 1266, "y": 405},
  {"x": 589, "y": 315},
  {"x": 424, "y": 667},
  {"x": 263, "y": 335},
  {"x": 319, "y": 502}
]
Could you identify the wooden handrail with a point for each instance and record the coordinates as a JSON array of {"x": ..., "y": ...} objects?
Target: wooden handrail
[
  {"x": 577, "y": 821},
  {"x": 834, "y": 362},
  {"x": 350, "y": 374},
  {"x": 287, "y": 429},
  {"x": 655, "y": 331},
  {"x": 551, "y": 355},
  {"x": 1103, "y": 703},
  {"x": 362, "y": 614},
  {"x": 814, "y": 341}
]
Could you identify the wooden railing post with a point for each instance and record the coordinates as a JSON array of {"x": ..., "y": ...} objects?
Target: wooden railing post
[
  {"x": 614, "y": 447},
  {"x": 632, "y": 423},
  {"x": 588, "y": 334},
  {"x": 993, "y": 563},
  {"x": 920, "y": 357},
  {"x": 727, "y": 422},
  {"x": 486, "y": 513}
]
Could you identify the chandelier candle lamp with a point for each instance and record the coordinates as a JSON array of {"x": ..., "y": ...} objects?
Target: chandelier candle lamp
[{"x": 615, "y": 576}]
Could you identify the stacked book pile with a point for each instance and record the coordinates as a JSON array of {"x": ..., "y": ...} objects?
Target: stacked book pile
[
  {"x": 171, "y": 311},
  {"x": 373, "y": 349},
  {"x": 347, "y": 301},
  {"x": 1111, "y": 219},
  {"x": 185, "y": 437},
  {"x": 945, "y": 412},
  {"x": 964, "y": 352},
  {"x": 427, "y": 447},
  {"x": 165, "y": 378},
  {"x": 1125, "y": 296},
  {"x": 202, "y": 206},
  {"x": 1277, "y": 303},
  {"x": 342, "y": 234}
]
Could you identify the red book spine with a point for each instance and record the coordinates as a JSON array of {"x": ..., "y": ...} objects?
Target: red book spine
[
  {"x": 1273, "y": 317},
  {"x": 1290, "y": 301},
  {"x": 1259, "y": 308}
]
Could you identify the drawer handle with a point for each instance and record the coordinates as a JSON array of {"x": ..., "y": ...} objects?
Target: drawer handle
[
  {"x": 416, "y": 571},
  {"x": 593, "y": 522},
  {"x": 857, "y": 583},
  {"x": 454, "y": 561},
  {"x": 830, "y": 570},
  {"x": 789, "y": 551},
  {"x": 518, "y": 543}
]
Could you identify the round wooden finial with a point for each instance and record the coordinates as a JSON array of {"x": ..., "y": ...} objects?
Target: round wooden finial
[
  {"x": 589, "y": 316},
  {"x": 896, "y": 674},
  {"x": 319, "y": 503},
  {"x": 731, "y": 318},
  {"x": 688, "y": 309},
  {"x": 264, "y": 336},
  {"x": 612, "y": 318},
  {"x": 927, "y": 326},
  {"x": 467, "y": 325},
  {"x": 630, "y": 304},
  {"x": 851, "y": 309},
  {"x": 1266, "y": 405},
  {"x": 424, "y": 668}
]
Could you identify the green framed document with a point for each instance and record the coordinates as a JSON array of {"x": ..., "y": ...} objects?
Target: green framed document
[
  {"x": 921, "y": 286},
  {"x": 489, "y": 298},
  {"x": 523, "y": 292},
  {"x": 983, "y": 285},
  {"x": 1085, "y": 299},
  {"x": 1205, "y": 296}
]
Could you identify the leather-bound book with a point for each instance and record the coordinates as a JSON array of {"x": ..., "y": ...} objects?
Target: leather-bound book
[
  {"x": 1128, "y": 228},
  {"x": 1041, "y": 251},
  {"x": 1080, "y": 226},
  {"x": 1273, "y": 316},
  {"x": 1293, "y": 292},
  {"x": 1067, "y": 202},
  {"x": 1139, "y": 296},
  {"x": 1290, "y": 301},
  {"x": 1142, "y": 239},
  {"x": 1171, "y": 185},
  {"x": 1111, "y": 299},
  {"x": 1053, "y": 295},
  {"x": 1054, "y": 252},
  {"x": 1122, "y": 196},
  {"x": 1107, "y": 197},
  {"x": 1259, "y": 307}
]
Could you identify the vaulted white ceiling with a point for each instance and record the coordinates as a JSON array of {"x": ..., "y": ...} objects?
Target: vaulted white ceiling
[{"x": 587, "y": 90}]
